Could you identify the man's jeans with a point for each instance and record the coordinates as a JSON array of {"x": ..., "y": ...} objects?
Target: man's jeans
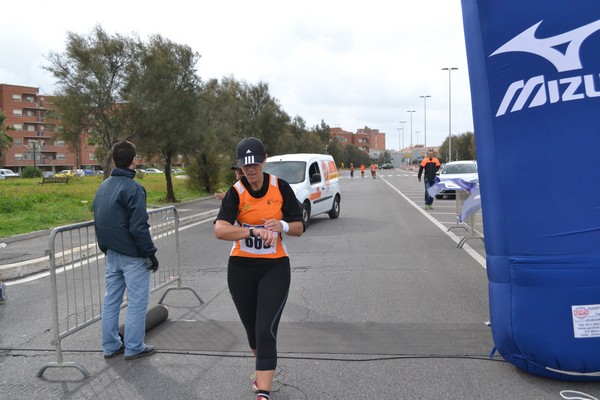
[
  {"x": 428, "y": 183},
  {"x": 132, "y": 273}
]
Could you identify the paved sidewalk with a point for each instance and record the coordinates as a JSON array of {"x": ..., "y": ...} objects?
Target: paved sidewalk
[{"x": 22, "y": 255}]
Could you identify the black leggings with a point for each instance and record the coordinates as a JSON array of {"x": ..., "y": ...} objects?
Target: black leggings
[{"x": 259, "y": 290}]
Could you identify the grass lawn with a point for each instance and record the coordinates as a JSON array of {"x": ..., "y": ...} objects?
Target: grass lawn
[{"x": 27, "y": 206}]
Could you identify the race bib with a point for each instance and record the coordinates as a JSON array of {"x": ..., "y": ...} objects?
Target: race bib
[{"x": 256, "y": 245}]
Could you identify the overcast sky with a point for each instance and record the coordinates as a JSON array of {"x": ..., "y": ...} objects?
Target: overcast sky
[{"x": 350, "y": 64}]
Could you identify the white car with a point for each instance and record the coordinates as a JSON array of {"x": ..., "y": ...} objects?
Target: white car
[
  {"x": 7, "y": 174},
  {"x": 465, "y": 170},
  {"x": 153, "y": 171},
  {"x": 314, "y": 179}
]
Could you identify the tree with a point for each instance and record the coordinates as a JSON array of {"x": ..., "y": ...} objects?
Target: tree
[
  {"x": 6, "y": 141},
  {"x": 384, "y": 158},
  {"x": 338, "y": 151},
  {"x": 220, "y": 122},
  {"x": 163, "y": 97},
  {"x": 463, "y": 148},
  {"x": 229, "y": 111},
  {"x": 356, "y": 155},
  {"x": 70, "y": 112},
  {"x": 93, "y": 74}
]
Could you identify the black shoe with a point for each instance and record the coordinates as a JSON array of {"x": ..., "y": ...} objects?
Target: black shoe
[
  {"x": 116, "y": 353},
  {"x": 146, "y": 352}
]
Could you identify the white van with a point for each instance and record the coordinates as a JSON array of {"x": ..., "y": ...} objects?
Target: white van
[{"x": 313, "y": 177}]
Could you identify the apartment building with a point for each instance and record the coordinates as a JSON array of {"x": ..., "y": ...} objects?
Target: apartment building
[
  {"x": 33, "y": 132},
  {"x": 371, "y": 141}
]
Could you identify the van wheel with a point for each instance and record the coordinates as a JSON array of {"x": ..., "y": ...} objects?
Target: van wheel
[
  {"x": 335, "y": 209},
  {"x": 305, "y": 214}
]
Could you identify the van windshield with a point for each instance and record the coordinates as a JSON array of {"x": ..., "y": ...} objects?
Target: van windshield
[{"x": 289, "y": 171}]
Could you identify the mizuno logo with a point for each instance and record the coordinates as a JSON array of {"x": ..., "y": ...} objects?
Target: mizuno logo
[
  {"x": 541, "y": 92},
  {"x": 550, "y": 48},
  {"x": 563, "y": 52}
]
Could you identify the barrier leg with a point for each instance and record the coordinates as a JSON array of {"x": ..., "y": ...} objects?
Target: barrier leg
[
  {"x": 80, "y": 367},
  {"x": 458, "y": 207}
]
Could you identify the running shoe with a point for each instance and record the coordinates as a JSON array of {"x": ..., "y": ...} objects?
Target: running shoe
[
  {"x": 262, "y": 397},
  {"x": 254, "y": 383}
]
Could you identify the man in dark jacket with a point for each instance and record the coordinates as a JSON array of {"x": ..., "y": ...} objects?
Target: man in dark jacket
[
  {"x": 123, "y": 234},
  {"x": 430, "y": 165}
]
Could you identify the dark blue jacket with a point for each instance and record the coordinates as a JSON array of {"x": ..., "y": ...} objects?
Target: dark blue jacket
[{"x": 120, "y": 215}]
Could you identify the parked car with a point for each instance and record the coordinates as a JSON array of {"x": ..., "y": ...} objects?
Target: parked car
[
  {"x": 386, "y": 166},
  {"x": 66, "y": 173},
  {"x": 465, "y": 170},
  {"x": 153, "y": 171},
  {"x": 8, "y": 174},
  {"x": 314, "y": 179},
  {"x": 47, "y": 174}
]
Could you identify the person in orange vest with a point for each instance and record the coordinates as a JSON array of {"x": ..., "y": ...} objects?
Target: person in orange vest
[
  {"x": 430, "y": 165},
  {"x": 351, "y": 170},
  {"x": 362, "y": 170},
  {"x": 373, "y": 170}
]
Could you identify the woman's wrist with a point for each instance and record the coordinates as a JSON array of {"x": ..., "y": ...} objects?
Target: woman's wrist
[{"x": 285, "y": 227}]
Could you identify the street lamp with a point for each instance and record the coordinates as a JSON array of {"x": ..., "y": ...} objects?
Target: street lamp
[
  {"x": 449, "y": 69},
  {"x": 402, "y": 127},
  {"x": 424, "y": 97},
  {"x": 411, "y": 113}
]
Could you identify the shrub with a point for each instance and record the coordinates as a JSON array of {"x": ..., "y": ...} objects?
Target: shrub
[{"x": 31, "y": 172}]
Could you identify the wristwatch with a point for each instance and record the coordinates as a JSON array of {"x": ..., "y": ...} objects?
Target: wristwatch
[{"x": 251, "y": 232}]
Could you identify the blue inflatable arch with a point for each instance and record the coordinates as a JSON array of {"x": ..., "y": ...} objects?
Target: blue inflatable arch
[{"x": 534, "y": 69}]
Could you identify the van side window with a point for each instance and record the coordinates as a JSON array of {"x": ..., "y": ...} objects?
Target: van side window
[{"x": 314, "y": 169}]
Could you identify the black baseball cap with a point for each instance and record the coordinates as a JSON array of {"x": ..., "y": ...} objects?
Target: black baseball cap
[{"x": 250, "y": 151}]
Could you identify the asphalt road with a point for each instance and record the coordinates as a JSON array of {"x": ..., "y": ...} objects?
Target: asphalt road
[{"x": 383, "y": 305}]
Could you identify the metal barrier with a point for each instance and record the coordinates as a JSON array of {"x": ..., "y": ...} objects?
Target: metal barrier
[
  {"x": 475, "y": 221},
  {"x": 77, "y": 276},
  {"x": 460, "y": 200}
]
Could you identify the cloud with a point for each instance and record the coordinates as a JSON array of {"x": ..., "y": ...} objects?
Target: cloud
[{"x": 351, "y": 65}]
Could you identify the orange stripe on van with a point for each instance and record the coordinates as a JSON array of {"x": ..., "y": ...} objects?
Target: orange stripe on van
[{"x": 316, "y": 195}]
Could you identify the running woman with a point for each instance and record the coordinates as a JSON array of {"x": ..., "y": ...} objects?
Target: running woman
[{"x": 257, "y": 213}]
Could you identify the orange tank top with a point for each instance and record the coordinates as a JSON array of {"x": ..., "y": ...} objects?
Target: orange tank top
[{"x": 252, "y": 212}]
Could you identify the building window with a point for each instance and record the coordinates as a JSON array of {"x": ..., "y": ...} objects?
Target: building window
[
  {"x": 19, "y": 157},
  {"x": 30, "y": 98},
  {"x": 18, "y": 141},
  {"x": 59, "y": 142},
  {"x": 30, "y": 128},
  {"x": 92, "y": 157},
  {"x": 30, "y": 113},
  {"x": 18, "y": 127},
  {"x": 16, "y": 97},
  {"x": 60, "y": 156},
  {"x": 18, "y": 113}
]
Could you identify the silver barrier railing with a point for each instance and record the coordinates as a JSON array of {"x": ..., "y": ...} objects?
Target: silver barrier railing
[
  {"x": 474, "y": 223},
  {"x": 77, "y": 276},
  {"x": 460, "y": 199}
]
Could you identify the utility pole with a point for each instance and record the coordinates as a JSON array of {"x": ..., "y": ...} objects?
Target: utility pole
[{"x": 449, "y": 69}]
